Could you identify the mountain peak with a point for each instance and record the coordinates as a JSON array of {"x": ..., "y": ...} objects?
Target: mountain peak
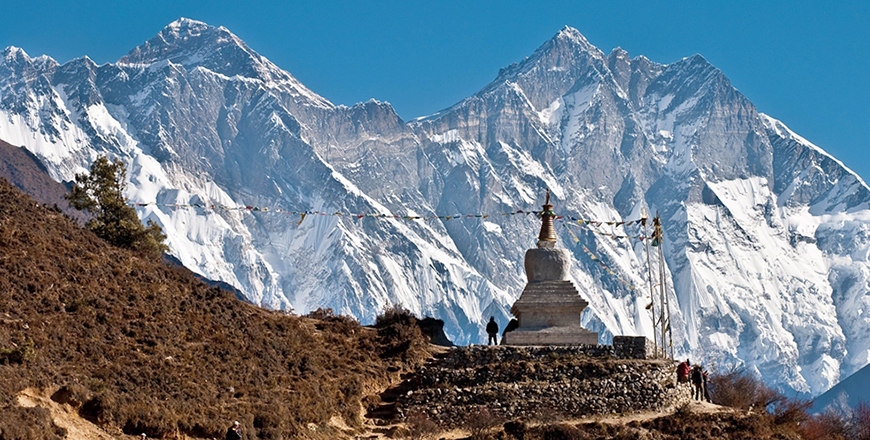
[
  {"x": 571, "y": 37},
  {"x": 14, "y": 61},
  {"x": 185, "y": 29},
  {"x": 571, "y": 34},
  {"x": 185, "y": 41},
  {"x": 191, "y": 44},
  {"x": 697, "y": 67},
  {"x": 696, "y": 59},
  {"x": 12, "y": 53},
  {"x": 186, "y": 25},
  {"x": 559, "y": 52}
]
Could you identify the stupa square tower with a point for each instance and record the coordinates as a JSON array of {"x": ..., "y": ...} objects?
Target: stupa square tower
[{"x": 549, "y": 309}]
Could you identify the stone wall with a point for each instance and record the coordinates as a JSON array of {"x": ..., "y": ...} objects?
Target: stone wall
[
  {"x": 633, "y": 347},
  {"x": 543, "y": 383}
]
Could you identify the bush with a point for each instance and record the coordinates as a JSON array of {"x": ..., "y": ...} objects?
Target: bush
[
  {"x": 394, "y": 314},
  {"x": 739, "y": 389},
  {"x": 398, "y": 334},
  {"x": 421, "y": 427},
  {"x": 561, "y": 431},
  {"x": 825, "y": 426},
  {"x": 861, "y": 422},
  {"x": 18, "y": 354},
  {"x": 516, "y": 429},
  {"x": 852, "y": 424},
  {"x": 28, "y": 424},
  {"x": 791, "y": 411},
  {"x": 481, "y": 422}
]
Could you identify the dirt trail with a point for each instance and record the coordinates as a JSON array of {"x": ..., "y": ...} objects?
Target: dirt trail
[
  {"x": 64, "y": 416},
  {"x": 642, "y": 416}
]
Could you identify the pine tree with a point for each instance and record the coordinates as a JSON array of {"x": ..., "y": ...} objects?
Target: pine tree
[{"x": 101, "y": 193}]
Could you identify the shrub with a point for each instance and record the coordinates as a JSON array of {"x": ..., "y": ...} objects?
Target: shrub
[
  {"x": 836, "y": 424},
  {"x": 825, "y": 426},
  {"x": 18, "y": 354},
  {"x": 421, "y": 427},
  {"x": 791, "y": 411},
  {"x": 516, "y": 429},
  {"x": 479, "y": 423},
  {"x": 739, "y": 389},
  {"x": 561, "y": 431},
  {"x": 861, "y": 422},
  {"x": 398, "y": 334},
  {"x": 394, "y": 314}
]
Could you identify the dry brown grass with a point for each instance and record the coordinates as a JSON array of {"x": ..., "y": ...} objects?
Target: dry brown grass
[{"x": 146, "y": 348}]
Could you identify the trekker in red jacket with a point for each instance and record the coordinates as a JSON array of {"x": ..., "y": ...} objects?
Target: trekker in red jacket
[{"x": 683, "y": 371}]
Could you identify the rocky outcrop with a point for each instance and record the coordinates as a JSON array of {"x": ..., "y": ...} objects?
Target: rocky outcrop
[{"x": 434, "y": 330}]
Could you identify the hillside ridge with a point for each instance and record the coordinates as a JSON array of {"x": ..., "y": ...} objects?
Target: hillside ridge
[{"x": 137, "y": 346}]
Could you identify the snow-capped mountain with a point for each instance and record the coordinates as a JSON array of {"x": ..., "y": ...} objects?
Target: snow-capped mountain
[{"x": 766, "y": 235}]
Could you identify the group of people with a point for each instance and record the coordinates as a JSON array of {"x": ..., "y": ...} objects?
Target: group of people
[{"x": 697, "y": 375}]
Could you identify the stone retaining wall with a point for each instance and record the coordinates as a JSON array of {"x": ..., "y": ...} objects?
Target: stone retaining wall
[
  {"x": 633, "y": 347},
  {"x": 541, "y": 383}
]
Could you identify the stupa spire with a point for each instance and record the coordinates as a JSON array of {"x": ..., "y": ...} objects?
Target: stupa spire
[
  {"x": 549, "y": 310},
  {"x": 547, "y": 237}
]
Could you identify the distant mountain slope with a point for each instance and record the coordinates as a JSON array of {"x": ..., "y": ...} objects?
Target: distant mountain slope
[
  {"x": 766, "y": 235},
  {"x": 852, "y": 391},
  {"x": 136, "y": 346},
  {"x": 21, "y": 168}
]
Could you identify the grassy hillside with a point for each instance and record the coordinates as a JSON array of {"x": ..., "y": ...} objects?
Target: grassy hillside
[{"x": 140, "y": 347}]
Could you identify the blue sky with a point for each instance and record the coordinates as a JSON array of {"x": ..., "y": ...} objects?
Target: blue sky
[{"x": 805, "y": 63}]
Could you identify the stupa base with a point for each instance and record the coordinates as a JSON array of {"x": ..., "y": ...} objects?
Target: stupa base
[{"x": 550, "y": 336}]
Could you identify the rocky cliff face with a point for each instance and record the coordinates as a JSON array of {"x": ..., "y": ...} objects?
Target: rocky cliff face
[{"x": 766, "y": 235}]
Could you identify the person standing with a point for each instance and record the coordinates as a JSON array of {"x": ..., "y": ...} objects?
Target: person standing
[
  {"x": 492, "y": 331},
  {"x": 235, "y": 432},
  {"x": 683, "y": 371},
  {"x": 698, "y": 382},
  {"x": 706, "y": 390}
]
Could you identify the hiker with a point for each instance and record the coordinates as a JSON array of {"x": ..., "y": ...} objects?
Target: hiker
[
  {"x": 706, "y": 390},
  {"x": 492, "y": 331},
  {"x": 697, "y": 382},
  {"x": 235, "y": 432},
  {"x": 683, "y": 371}
]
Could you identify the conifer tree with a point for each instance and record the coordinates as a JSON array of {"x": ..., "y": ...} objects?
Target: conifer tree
[{"x": 101, "y": 193}]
